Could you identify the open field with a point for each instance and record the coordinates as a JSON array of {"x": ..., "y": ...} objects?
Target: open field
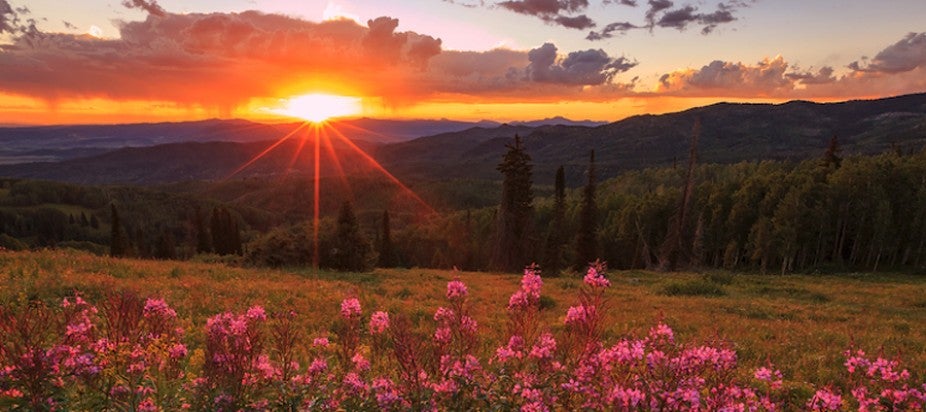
[{"x": 800, "y": 323}]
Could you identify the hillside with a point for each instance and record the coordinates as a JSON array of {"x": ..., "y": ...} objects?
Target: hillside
[{"x": 729, "y": 133}]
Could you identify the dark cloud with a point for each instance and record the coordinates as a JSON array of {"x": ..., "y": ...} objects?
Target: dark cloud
[
  {"x": 631, "y": 3},
  {"x": 8, "y": 18},
  {"x": 655, "y": 7},
  {"x": 553, "y": 11},
  {"x": 151, "y": 6},
  {"x": 609, "y": 31},
  {"x": 660, "y": 13},
  {"x": 680, "y": 18},
  {"x": 907, "y": 54},
  {"x": 543, "y": 8},
  {"x": 581, "y": 22},
  {"x": 822, "y": 76},
  {"x": 588, "y": 67},
  {"x": 68, "y": 25}
]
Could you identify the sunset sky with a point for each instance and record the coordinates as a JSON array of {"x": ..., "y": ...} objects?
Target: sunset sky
[{"x": 114, "y": 61}]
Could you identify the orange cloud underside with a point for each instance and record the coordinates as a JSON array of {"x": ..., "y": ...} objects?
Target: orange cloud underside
[{"x": 23, "y": 110}]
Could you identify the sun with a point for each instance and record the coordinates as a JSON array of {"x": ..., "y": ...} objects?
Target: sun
[{"x": 319, "y": 107}]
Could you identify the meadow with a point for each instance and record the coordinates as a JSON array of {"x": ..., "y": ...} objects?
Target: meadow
[{"x": 802, "y": 324}]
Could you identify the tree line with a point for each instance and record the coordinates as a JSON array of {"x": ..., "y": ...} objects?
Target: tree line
[{"x": 864, "y": 213}]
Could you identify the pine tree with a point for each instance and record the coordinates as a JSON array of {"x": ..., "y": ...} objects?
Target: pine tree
[
  {"x": 587, "y": 237},
  {"x": 673, "y": 249},
  {"x": 515, "y": 213},
  {"x": 166, "y": 246},
  {"x": 830, "y": 156},
  {"x": 118, "y": 242},
  {"x": 203, "y": 240},
  {"x": 94, "y": 222},
  {"x": 553, "y": 251},
  {"x": 352, "y": 251},
  {"x": 386, "y": 252}
]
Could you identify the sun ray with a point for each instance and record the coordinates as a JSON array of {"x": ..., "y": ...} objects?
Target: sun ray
[
  {"x": 336, "y": 161},
  {"x": 264, "y": 153},
  {"x": 316, "y": 196},
  {"x": 380, "y": 168}
]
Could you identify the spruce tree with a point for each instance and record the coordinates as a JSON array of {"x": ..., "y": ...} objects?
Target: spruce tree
[
  {"x": 553, "y": 251},
  {"x": 352, "y": 252},
  {"x": 515, "y": 213},
  {"x": 118, "y": 242},
  {"x": 587, "y": 237},
  {"x": 203, "y": 240},
  {"x": 831, "y": 157},
  {"x": 386, "y": 253}
]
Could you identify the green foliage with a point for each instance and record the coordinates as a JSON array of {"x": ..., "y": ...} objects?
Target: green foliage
[
  {"x": 351, "y": 250},
  {"x": 515, "y": 213},
  {"x": 693, "y": 287},
  {"x": 587, "y": 236}
]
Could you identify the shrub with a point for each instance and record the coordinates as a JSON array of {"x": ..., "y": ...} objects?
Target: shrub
[{"x": 698, "y": 287}]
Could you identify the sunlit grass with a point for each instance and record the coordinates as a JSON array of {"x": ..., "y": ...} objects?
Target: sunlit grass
[{"x": 801, "y": 323}]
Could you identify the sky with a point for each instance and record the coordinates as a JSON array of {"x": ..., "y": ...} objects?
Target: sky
[{"x": 120, "y": 61}]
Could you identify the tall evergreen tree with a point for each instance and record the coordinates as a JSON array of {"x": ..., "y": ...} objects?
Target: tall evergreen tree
[
  {"x": 830, "y": 156},
  {"x": 226, "y": 236},
  {"x": 587, "y": 237},
  {"x": 203, "y": 240},
  {"x": 553, "y": 251},
  {"x": 515, "y": 213},
  {"x": 386, "y": 251},
  {"x": 352, "y": 251},
  {"x": 166, "y": 246},
  {"x": 673, "y": 249},
  {"x": 118, "y": 241}
]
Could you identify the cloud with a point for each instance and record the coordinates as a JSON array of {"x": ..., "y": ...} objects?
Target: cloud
[
  {"x": 660, "y": 13},
  {"x": 225, "y": 60},
  {"x": 216, "y": 59},
  {"x": 581, "y": 22},
  {"x": 553, "y": 11},
  {"x": 907, "y": 54},
  {"x": 150, "y": 6},
  {"x": 822, "y": 76},
  {"x": 589, "y": 67},
  {"x": 8, "y": 18},
  {"x": 609, "y": 31},
  {"x": 719, "y": 78},
  {"x": 776, "y": 78}
]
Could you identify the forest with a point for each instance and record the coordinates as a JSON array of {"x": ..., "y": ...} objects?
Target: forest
[{"x": 829, "y": 213}]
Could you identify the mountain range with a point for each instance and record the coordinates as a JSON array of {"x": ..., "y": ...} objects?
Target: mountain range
[{"x": 214, "y": 149}]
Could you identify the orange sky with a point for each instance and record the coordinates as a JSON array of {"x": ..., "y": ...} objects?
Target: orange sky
[{"x": 164, "y": 65}]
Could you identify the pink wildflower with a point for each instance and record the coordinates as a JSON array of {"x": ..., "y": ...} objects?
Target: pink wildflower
[
  {"x": 158, "y": 307},
  {"x": 544, "y": 347},
  {"x": 350, "y": 308},
  {"x": 825, "y": 400},
  {"x": 177, "y": 351},
  {"x": 456, "y": 289},
  {"x": 321, "y": 342},
  {"x": 256, "y": 313},
  {"x": 379, "y": 322},
  {"x": 595, "y": 278}
]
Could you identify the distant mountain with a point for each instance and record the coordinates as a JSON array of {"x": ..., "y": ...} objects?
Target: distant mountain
[
  {"x": 53, "y": 143},
  {"x": 729, "y": 133},
  {"x": 559, "y": 121}
]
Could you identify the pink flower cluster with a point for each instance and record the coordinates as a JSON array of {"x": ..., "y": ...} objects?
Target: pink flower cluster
[{"x": 131, "y": 354}]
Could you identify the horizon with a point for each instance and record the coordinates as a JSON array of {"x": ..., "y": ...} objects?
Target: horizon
[
  {"x": 285, "y": 120},
  {"x": 153, "y": 61}
]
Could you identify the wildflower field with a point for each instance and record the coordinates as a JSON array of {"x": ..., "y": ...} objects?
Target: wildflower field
[{"x": 81, "y": 332}]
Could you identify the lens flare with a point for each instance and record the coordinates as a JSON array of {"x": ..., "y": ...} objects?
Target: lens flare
[{"x": 319, "y": 107}]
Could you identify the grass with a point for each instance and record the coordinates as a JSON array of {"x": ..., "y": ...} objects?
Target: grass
[{"x": 801, "y": 323}]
